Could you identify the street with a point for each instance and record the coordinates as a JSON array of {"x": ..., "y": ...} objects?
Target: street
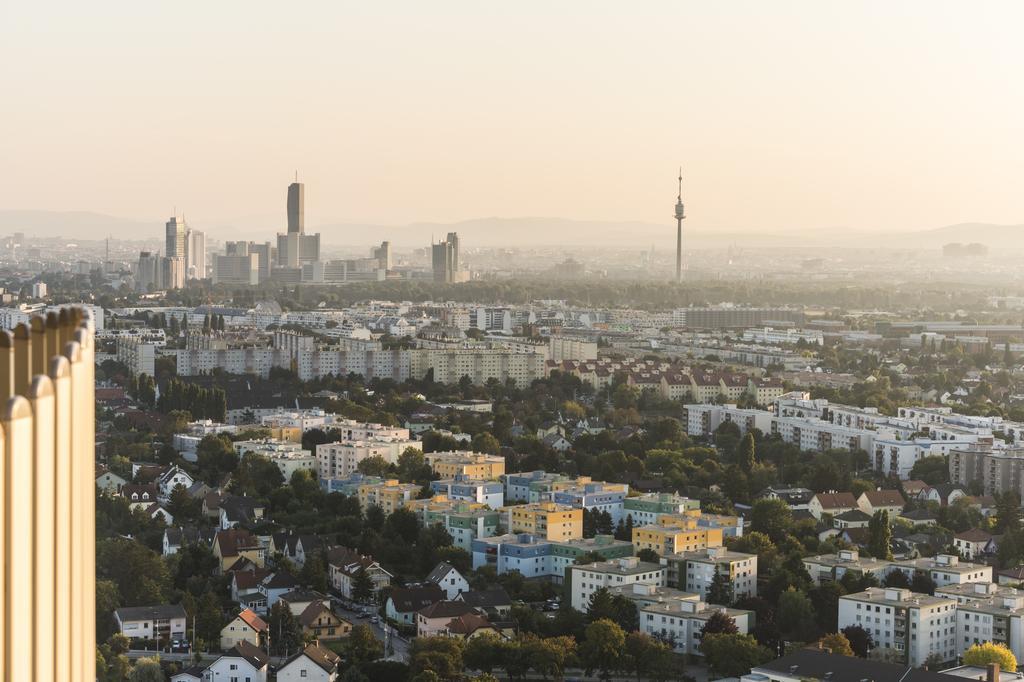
[{"x": 399, "y": 646}]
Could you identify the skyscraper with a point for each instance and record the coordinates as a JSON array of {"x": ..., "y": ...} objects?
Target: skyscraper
[
  {"x": 195, "y": 254},
  {"x": 175, "y": 238},
  {"x": 295, "y": 248},
  {"x": 296, "y": 208},
  {"x": 147, "y": 274},
  {"x": 680, "y": 214},
  {"x": 445, "y": 260}
]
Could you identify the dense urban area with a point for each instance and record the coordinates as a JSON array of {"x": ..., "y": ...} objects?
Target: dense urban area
[{"x": 414, "y": 466}]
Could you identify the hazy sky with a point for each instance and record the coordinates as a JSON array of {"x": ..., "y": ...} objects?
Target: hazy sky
[{"x": 801, "y": 114}]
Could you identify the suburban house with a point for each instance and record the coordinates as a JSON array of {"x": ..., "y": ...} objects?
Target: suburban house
[
  {"x": 344, "y": 564},
  {"x": 831, "y": 503},
  {"x": 471, "y": 625},
  {"x": 246, "y": 583},
  {"x": 313, "y": 664},
  {"x": 275, "y": 586},
  {"x": 231, "y": 545},
  {"x": 944, "y": 494},
  {"x": 108, "y": 481},
  {"x": 246, "y": 627},
  {"x": 889, "y": 501},
  {"x": 243, "y": 662},
  {"x": 404, "y": 602},
  {"x": 193, "y": 674},
  {"x": 163, "y": 622},
  {"x": 321, "y": 623},
  {"x": 172, "y": 478},
  {"x": 434, "y": 619},
  {"x": 298, "y": 600},
  {"x": 974, "y": 543},
  {"x": 448, "y": 579},
  {"x": 853, "y": 518},
  {"x": 139, "y": 495},
  {"x": 494, "y": 601},
  {"x": 235, "y": 511}
]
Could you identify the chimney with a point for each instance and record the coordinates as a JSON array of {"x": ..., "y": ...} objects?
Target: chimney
[{"x": 992, "y": 673}]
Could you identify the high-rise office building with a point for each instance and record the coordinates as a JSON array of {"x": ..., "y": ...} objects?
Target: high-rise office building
[
  {"x": 383, "y": 255},
  {"x": 195, "y": 254},
  {"x": 47, "y": 502},
  {"x": 175, "y": 234},
  {"x": 172, "y": 272},
  {"x": 295, "y": 248},
  {"x": 296, "y": 208},
  {"x": 147, "y": 274},
  {"x": 267, "y": 255},
  {"x": 445, "y": 260}
]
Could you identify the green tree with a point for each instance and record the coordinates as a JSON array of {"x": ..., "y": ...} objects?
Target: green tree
[
  {"x": 374, "y": 466},
  {"x": 991, "y": 652},
  {"x": 602, "y": 647},
  {"x": 719, "y": 624},
  {"x": 485, "y": 442},
  {"x": 795, "y": 616},
  {"x": 314, "y": 573},
  {"x": 441, "y": 656},
  {"x": 746, "y": 453},
  {"x": 880, "y": 536},
  {"x": 146, "y": 670},
  {"x": 642, "y": 653},
  {"x": 362, "y": 646},
  {"x": 483, "y": 652},
  {"x": 733, "y": 655},
  {"x": 922, "y": 583},
  {"x": 362, "y": 586},
  {"x": 285, "y": 630},
  {"x": 837, "y": 643},
  {"x": 771, "y": 517},
  {"x": 720, "y": 591},
  {"x": 859, "y": 639},
  {"x": 1007, "y": 513}
]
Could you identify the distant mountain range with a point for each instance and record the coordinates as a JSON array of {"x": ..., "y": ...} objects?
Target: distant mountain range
[{"x": 510, "y": 232}]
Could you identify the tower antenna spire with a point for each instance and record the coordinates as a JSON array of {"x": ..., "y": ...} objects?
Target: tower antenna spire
[{"x": 680, "y": 182}]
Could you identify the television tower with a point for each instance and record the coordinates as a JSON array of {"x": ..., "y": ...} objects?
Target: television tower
[{"x": 680, "y": 214}]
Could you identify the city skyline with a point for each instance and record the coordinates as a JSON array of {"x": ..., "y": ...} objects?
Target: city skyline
[{"x": 861, "y": 121}]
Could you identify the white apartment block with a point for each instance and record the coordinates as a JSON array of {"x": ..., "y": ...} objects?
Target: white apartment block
[
  {"x": 897, "y": 457},
  {"x": 703, "y": 419},
  {"x": 679, "y": 622},
  {"x": 289, "y": 457},
  {"x": 589, "y": 578},
  {"x": 945, "y": 569},
  {"x": 987, "y": 612},
  {"x": 138, "y": 357},
  {"x": 340, "y": 460},
  {"x": 694, "y": 571},
  {"x": 828, "y": 567},
  {"x": 914, "y": 625},
  {"x": 819, "y": 435},
  {"x": 569, "y": 348}
]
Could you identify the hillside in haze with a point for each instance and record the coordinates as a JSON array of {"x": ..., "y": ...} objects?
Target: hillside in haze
[{"x": 505, "y": 232}]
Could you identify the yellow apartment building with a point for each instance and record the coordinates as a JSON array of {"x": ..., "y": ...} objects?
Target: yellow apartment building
[
  {"x": 389, "y": 495},
  {"x": 473, "y": 465},
  {"x": 546, "y": 520},
  {"x": 675, "y": 538}
]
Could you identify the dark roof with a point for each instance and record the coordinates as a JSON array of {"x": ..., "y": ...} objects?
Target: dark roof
[
  {"x": 974, "y": 535},
  {"x": 158, "y": 612},
  {"x": 279, "y": 580},
  {"x": 325, "y": 658},
  {"x": 815, "y": 665},
  {"x": 1016, "y": 573},
  {"x": 231, "y": 540},
  {"x": 195, "y": 671},
  {"x": 239, "y": 509},
  {"x": 440, "y": 571},
  {"x": 853, "y": 515},
  {"x": 918, "y": 515},
  {"x": 884, "y": 498},
  {"x": 446, "y": 609},
  {"x": 299, "y": 596},
  {"x": 836, "y": 500},
  {"x": 491, "y": 598},
  {"x": 253, "y": 655},
  {"x": 406, "y": 599},
  {"x": 467, "y": 624}
]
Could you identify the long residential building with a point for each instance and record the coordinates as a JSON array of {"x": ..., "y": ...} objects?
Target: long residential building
[
  {"x": 470, "y": 465},
  {"x": 584, "y": 580},
  {"x": 694, "y": 571},
  {"x": 535, "y": 557},
  {"x": 447, "y": 366},
  {"x": 341, "y": 460},
  {"x": 545, "y": 520},
  {"x": 998, "y": 471},
  {"x": 915, "y": 626}
]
